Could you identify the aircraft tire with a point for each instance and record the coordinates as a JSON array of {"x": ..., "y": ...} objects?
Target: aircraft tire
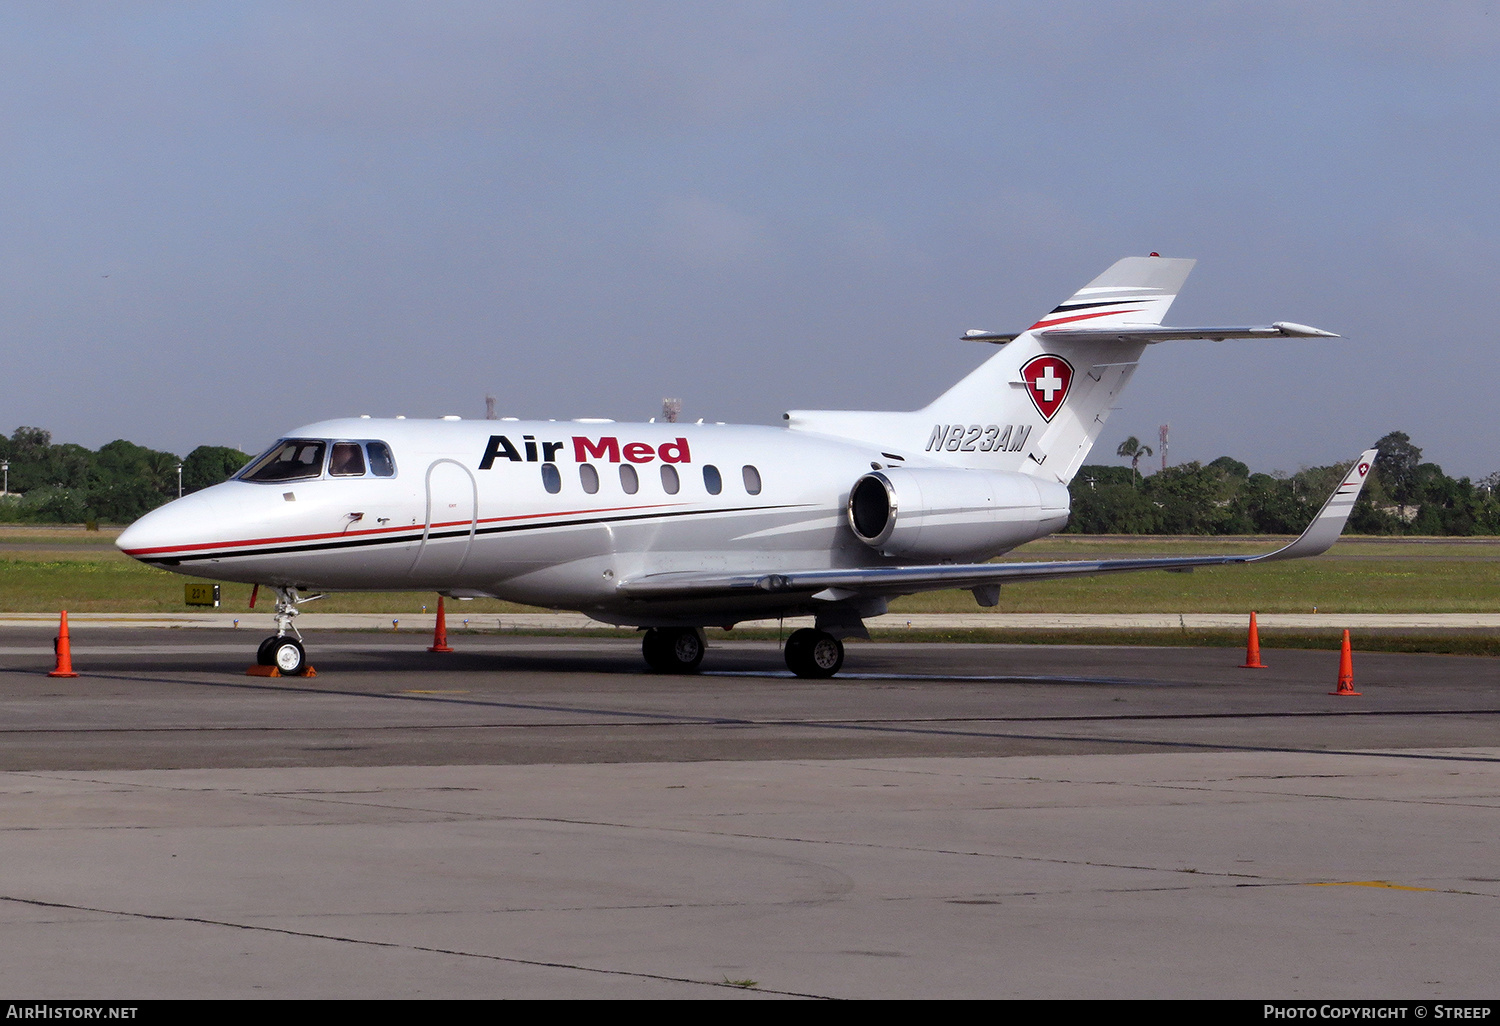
[
  {"x": 266, "y": 655},
  {"x": 673, "y": 649},
  {"x": 288, "y": 657},
  {"x": 813, "y": 653}
]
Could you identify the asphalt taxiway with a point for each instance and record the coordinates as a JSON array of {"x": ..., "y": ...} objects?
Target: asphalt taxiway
[{"x": 538, "y": 816}]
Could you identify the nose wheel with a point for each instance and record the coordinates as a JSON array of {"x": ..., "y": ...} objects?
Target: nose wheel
[
  {"x": 265, "y": 655},
  {"x": 814, "y": 653},
  {"x": 282, "y": 653},
  {"x": 286, "y": 654}
]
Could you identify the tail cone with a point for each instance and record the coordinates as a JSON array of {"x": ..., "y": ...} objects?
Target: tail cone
[
  {"x": 64, "y": 650},
  {"x": 440, "y": 631}
]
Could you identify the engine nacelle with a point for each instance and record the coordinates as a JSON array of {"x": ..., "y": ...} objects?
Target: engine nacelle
[{"x": 939, "y": 513}]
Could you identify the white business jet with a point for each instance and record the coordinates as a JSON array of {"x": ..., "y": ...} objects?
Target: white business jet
[{"x": 674, "y": 528}]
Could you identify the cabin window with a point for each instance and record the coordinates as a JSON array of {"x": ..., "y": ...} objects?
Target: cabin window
[
  {"x": 551, "y": 478},
  {"x": 588, "y": 477},
  {"x": 752, "y": 479},
  {"x": 669, "y": 481},
  {"x": 290, "y": 459},
  {"x": 346, "y": 460},
  {"x": 712, "y": 480},
  {"x": 382, "y": 464},
  {"x": 630, "y": 482}
]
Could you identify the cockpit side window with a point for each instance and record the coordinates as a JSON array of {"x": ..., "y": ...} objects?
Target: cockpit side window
[
  {"x": 347, "y": 460},
  {"x": 382, "y": 463},
  {"x": 291, "y": 459}
]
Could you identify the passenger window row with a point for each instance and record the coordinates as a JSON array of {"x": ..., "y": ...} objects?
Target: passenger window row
[{"x": 630, "y": 480}]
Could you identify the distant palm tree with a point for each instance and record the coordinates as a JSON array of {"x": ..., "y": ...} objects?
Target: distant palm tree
[
  {"x": 160, "y": 471},
  {"x": 1133, "y": 450}
]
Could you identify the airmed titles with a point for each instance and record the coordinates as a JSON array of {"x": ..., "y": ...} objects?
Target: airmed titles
[{"x": 607, "y": 448}]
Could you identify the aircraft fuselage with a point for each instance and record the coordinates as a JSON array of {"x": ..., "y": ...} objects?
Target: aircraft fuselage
[{"x": 549, "y": 513}]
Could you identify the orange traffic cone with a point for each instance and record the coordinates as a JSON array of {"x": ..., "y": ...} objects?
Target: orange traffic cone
[
  {"x": 440, "y": 631},
  {"x": 1346, "y": 671},
  {"x": 1252, "y": 648},
  {"x": 64, "y": 650}
]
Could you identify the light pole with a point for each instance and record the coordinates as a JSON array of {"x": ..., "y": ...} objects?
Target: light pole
[
  {"x": 179, "y": 480},
  {"x": 5, "y": 466}
]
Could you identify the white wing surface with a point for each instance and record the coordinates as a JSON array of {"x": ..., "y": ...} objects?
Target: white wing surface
[{"x": 835, "y": 585}]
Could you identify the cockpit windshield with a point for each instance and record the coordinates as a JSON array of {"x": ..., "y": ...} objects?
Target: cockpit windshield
[
  {"x": 298, "y": 459},
  {"x": 348, "y": 460},
  {"x": 382, "y": 463},
  {"x": 291, "y": 459}
]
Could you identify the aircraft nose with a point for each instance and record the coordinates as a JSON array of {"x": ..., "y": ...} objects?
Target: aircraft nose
[{"x": 178, "y": 525}]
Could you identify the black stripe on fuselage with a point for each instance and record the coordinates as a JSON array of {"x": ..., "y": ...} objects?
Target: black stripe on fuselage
[{"x": 456, "y": 532}]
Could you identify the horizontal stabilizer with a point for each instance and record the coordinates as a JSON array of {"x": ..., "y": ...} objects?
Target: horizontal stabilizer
[
  {"x": 1129, "y": 333},
  {"x": 1155, "y": 333}
]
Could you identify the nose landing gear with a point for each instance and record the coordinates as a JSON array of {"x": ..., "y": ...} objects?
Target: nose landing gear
[{"x": 283, "y": 651}]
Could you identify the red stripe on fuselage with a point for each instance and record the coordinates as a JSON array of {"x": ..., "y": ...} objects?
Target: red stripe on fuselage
[{"x": 411, "y": 528}]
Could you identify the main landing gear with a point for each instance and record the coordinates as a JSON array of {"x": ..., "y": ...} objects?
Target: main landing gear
[
  {"x": 814, "y": 653},
  {"x": 283, "y": 650},
  {"x": 673, "y": 649},
  {"x": 809, "y": 652}
]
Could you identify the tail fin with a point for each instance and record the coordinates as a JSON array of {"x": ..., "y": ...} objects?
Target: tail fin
[
  {"x": 1136, "y": 291},
  {"x": 1036, "y": 406},
  {"x": 1048, "y": 398}
]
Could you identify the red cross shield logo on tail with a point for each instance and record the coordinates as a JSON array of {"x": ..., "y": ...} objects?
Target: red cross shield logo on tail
[{"x": 1048, "y": 379}]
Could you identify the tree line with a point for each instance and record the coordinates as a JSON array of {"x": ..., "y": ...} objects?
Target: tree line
[
  {"x": 71, "y": 484},
  {"x": 1404, "y": 495},
  {"x": 66, "y": 483}
]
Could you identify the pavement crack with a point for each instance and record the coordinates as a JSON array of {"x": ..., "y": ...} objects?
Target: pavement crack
[{"x": 427, "y": 949}]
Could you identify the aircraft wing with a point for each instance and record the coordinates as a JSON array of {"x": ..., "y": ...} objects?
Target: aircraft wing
[
  {"x": 1156, "y": 333},
  {"x": 836, "y": 585}
]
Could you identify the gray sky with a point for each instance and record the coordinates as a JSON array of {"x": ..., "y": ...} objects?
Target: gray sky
[{"x": 225, "y": 220}]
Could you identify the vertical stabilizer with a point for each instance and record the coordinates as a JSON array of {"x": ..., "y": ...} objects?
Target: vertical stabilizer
[
  {"x": 1136, "y": 290},
  {"x": 1037, "y": 405},
  {"x": 1049, "y": 398}
]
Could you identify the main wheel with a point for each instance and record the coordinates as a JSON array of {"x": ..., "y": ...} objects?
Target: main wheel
[
  {"x": 265, "y": 655},
  {"x": 673, "y": 649},
  {"x": 813, "y": 653},
  {"x": 288, "y": 657}
]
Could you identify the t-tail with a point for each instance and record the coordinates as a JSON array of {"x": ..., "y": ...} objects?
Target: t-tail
[
  {"x": 1037, "y": 406},
  {"x": 1050, "y": 393}
]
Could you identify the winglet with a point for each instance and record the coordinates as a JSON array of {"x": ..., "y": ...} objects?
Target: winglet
[{"x": 1329, "y": 523}]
